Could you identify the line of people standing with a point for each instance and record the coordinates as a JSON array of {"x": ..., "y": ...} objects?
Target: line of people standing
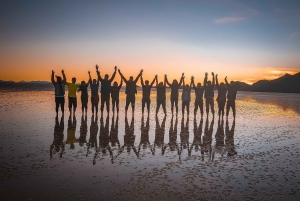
[{"x": 109, "y": 89}]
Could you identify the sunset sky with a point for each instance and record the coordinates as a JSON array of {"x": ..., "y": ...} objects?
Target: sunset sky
[{"x": 245, "y": 40}]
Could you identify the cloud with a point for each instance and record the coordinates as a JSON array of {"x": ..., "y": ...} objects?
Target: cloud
[{"x": 228, "y": 20}]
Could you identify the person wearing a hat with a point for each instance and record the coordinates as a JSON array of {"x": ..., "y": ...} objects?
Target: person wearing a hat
[{"x": 59, "y": 85}]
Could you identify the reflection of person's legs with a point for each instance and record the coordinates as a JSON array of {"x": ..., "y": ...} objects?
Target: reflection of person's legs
[
  {"x": 233, "y": 107},
  {"x": 212, "y": 105},
  {"x": 207, "y": 105},
  {"x": 227, "y": 108},
  {"x": 172, "y": 104},
  {"x": 188, "y": 107},
  {"x": 196, "y": 104},
  {"x": 102, "y": 103},
  {"x": 127, "y": 103},
  {"x": 219, "y": 107},
  {"x": 117, "y": 105},
  {"x": 157, "y": 106},
  {"x": 148, "y": 105},
  {"x": 201, "y": 106},
  {"x": 222, "y": 107},
  {"x": 133, "y": 104},
  {"x": 182, "y": 107},
  {"x": 164, "y": 107}
]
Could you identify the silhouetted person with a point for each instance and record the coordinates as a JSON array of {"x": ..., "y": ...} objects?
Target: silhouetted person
[
  {"x": 71, "y": 139},
  {"x": 197, "y": 142},
  {"x": 58, "y": 145},
  {"x": 220, "y": 137},
  {"x": 83, "y": 130},
  {"x": 130, "y": 90},
  {"x": 114, "y": 131},
  {"x": 184, "y": 135},
  {"x": 94, "y": 93},
  {"x": 115, "y": 92},
  {"x": 161, "y": 96},
  {"x": 209, "y": 93},
  {"x": 129, "y": 136},
  {"x": 174, "y": 91},
  {"x": 105, "y": 88},
  {"x": 186, "y": 97},
  {"x": 231, "y": 96},
  {"x": 199, "y": 90},
  {"x": 72, "y": 88},
  {"x": 59, "y": 86},
  {"x": 93, "y": 134},
  {"x": 160, "y": 135},
  {"x": 146, "y": 93},
  {"x": 84, "y": 95},
  {"x": 221, "y": 99},
  {"x": 145, "y": 143},
  {"x": 207, "y": 138},
  {"x": 104, "y": 137},
  {"x": 229, "y": 140}
]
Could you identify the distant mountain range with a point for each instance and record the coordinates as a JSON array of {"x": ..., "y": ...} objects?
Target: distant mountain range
[{"x": 285, "y": 84}]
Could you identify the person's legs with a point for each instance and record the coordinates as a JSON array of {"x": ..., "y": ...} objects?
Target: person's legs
[
  {"x": 107, "y": 103},
  {"x": 219, "y": 107},
  {"x": 127, "y": 103},
  {"x": 96, "y": 103},
  {"x": 196, "y": 107},
  {"x": 157, "y": 106},
  {"x": 176, "y": 105},
  {"x": 143, "y": 104},
  {"x": 74, "y": 104},
  {"x": 133, "y": 104},
  {"x": 148, "y": 105},
  {"x": 164, "y": 107},
  {"x": 93, "y": 103},
  {"x": 117, "y": 105},
  {"x": 233, "y": 107},
  {"x": 56, "y": 105},
  {"x": 212, "y": 105},
  {"x": 222, "y": 108},
  {"x": 227, "y": 108},
  {"x": 201, "y": 106},
  {"x": 172, "y": 104},
  {"x": 70, "y": 104},
  {"x": 182, "y": 107},
  {"x": 207, "y": 105},
  {"x": 188, "y": 108},
  {"x": 102, "y": 103},
  {"x": 62, "y": 104},
  {"x": 113, "y": 101}
]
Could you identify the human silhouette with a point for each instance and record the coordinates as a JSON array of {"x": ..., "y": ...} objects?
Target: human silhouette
[
  {"x": 219, "y": 147},
  {"x": 129, "y": 136},
  {"x": 160, "y": 135},
  {"x": 113, "y": 137},
  {"x": 199, "y": 90},
  {"x": 197, "y": 142},
  {"x": 184, "y": 135},
  {"x": 221, "y": 99},
  {"x": 174, "y": 92},
  {"x": 130, "y": 90},
  {"x": 71, "y": 138},
  {"x": 231, "y": 96},
  {"x": 186, "y": 97},
  {"x": 58, "y": 145},
  {"x": 115, "y": 91},
  {"x": 173, "y": 136},
  {"x": 83, "y": 130},
  {"x": 229, "y": 139},
  {"x": 209, "y": 93},
  {"x": 105, "y": 88},
  {"x": 146, "y": 93},
  {"x": 84, "y": 95},
  {"x": 161, "y": 96},
  {"x": 207, "y": 138},
  {"x": 72, "y": 87},
  {"x": 145, "y": 143},
  {"x": 59, "y": 86},
  {"x": 104, "y": 137},
  {"x": 94, "y": 93},
  {"x": 93, "y": 135}
]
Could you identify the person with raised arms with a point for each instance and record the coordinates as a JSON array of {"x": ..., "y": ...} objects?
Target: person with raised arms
[
  {"x": 59, "y": 86},
  {"x": 209, "y": 93},
  {"x": 221, "y": 99},
  {"x": 199, "y": 90},
  {"x": 146, "y": 93},
  {"x": 231, "y": 96},
  {"x": 130, "y": 90},
  {"x": 174, "y": 92},
  {"x": 94, "y": 93},
  {"x": 161, "y": 95},
  {"x": 115, "y": 91}
]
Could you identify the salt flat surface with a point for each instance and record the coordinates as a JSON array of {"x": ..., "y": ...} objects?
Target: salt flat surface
[{"x": 173, "y": 158}]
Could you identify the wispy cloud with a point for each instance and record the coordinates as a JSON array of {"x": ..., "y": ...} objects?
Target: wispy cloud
[{"x": 228, "y": 20}]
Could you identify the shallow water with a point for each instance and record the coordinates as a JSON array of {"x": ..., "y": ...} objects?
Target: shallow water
[{"x": 44, "y": 158}]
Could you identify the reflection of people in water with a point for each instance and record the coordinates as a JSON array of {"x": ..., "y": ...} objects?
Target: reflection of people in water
[
  {"x": 84, "y": 95},
  {"x": 207, "y": 138},
  {"x": 71, "y": 139},
  {"x": 197, "y": 136},
  {"x": 146, "y": 93},
  {"x": 130, "y": 90},
  {"x": 219, "y": 147},
  {"x": 93, "y": 134},
  {"x": 231, "y": 96},
  {"x": 113, "y": 137},
  {"x": 229, "y": 140},
  {"x": 174, "y": 91},
  {"x": 129, "y": 136},
  {"x": 160, "y": 135},
  {"x": 58, "y": 144},
  {"x": 173, "y": 136},
  {"x": 83, "y": 130},
  {"x": 104, "y": 136},
  {"x": 145, "y": 143},
  {"x": 59, "y": 91},
  {"x": 221, "y": 99},
  {"x": 184, "y": 135}
]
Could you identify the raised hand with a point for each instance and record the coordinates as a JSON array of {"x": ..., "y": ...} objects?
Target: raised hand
[
  {"x": 212, "y": 73},
  {"x": 182, "y": 75},
  {"x": 62, "y": 71},
  {"x": 192, "y": 77},
  {"x": 115, "y": 67},
  {"x": 52, "y": 71},
  {"x": 97, "y": 67},
  {"x": 206, "y": 74},
  {"x": 226, "y": 78},
  {"x": 119, "y": 71},
  {"x": 89, "y": 72},
  {"x": 216, "y": 75}
]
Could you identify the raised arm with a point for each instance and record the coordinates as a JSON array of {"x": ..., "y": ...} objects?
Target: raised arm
[
  {"x": 122, "y": 76},
  {"x": 193, "y": 84},
  {"x": 121, "y": 83},
  {"x": 64, "y": 76},
  {"x": 113, "y": 75},
  {"x": 205, "y": 80},
  {"x": 192, "y": 81},
  {"x": 152, "y": 81},
  {"x": 90, "y": 78},
  {"x": 142, "y": 81},
  {"x": 139, "y": 75},
  {"x": 167, "y": 82},
  {"x": 98, "y": 74},
  {"x": 213, "y": 78},
  {"x": 181, "y": 79},
  {"x": 217, "y": 81},
  {"x": 52, "y": 77},
  {"x": 226, "y": 82},
  {"x": 156, "y": 82}
]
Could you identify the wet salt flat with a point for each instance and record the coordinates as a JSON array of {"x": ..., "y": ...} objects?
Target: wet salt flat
[{"x": 255, "y": 157}]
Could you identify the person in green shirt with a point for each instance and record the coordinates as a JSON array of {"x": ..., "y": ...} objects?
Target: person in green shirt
[{"x": 72, "y": 87}]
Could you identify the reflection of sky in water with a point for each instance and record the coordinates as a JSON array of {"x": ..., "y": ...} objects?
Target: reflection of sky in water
[{"x": 134, "y": 155}]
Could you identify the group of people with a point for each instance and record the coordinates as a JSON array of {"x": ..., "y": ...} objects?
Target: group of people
[{"x": 109, "y": 89}]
